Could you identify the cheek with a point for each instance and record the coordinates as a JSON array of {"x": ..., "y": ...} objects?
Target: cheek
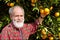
[
  {"x": 14, "y": 18},
  {"x": 22, "y": 18}
]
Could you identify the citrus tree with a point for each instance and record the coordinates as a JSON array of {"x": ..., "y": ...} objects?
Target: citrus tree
[{"x": 50, "y": 28}]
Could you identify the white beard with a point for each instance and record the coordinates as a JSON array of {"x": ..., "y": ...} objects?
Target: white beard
[{"x": 18, "y": 24}]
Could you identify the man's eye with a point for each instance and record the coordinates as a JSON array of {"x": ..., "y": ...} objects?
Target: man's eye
[
  {"x": 18, "y": 15},
  {"x": 21, "y": 15}
]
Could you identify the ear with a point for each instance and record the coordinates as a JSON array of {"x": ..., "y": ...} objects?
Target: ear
[{"x": 11, "y": 17}]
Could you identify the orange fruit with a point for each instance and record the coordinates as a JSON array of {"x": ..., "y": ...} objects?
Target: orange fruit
[
  {"x": 44, "y": 36},
  {"x": 17, "y": 0},
  {"x": 49, "y": 34},
  {"x": 32, "y": 4},
  {"x": 59, "y": 35},
  {"x": 41, "y": 7},
  {"x": 43, "y": 31},
  {"x": 51, "y": 38},
  {"x": 41, "y": 11},
  {"x": 51, "y": 7},
  {"x": 8, "y": 4},
  {"x": 56, "y": 14},
  {"x": 46, "y": 11},
  {"x": 11, "y": 4},
  {"x": 33, "y": 1}
]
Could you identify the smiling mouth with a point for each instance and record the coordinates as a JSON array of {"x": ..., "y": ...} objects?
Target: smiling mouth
[{"x": 19, "y": 21}]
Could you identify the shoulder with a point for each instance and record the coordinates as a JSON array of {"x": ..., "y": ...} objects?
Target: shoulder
[
  {"x": 28, "y": 24},
  {"x": 6, "y": 28}
]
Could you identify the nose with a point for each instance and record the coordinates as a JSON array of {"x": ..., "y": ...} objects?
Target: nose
[{"x": 20, "y": 18}]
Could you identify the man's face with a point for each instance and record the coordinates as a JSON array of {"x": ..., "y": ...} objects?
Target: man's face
[{"x": 18, "y": 17}]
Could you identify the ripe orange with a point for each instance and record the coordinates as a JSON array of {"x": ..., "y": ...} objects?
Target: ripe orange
[
  {"x": 41, "y": 7},
  {"x": 41, "y": 11},
  {"x": 33, "y": 1},
  {"x": 43, "y": 31},
  {"x": 17, "y": 0},
  {"x": 56, "y": 14},
  {"x": 51, "y": 38},
  {"x": 32, "y": 4},
  {"x": 44, "y": 36},
  {"x": 49, "y": 35},
  {"x": 8, "y": 4},
  {"x": 11, "y": 4},
  {"x": 51, "y": 7},
  {"x": 59, "y": 35},
  {"x": 46, "y": 11}
]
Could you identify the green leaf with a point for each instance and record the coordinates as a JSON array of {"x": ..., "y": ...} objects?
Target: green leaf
[{"x": 35, "y": 8}]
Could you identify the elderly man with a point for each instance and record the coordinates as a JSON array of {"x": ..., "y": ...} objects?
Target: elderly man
[{"x": 17, "y": 29}]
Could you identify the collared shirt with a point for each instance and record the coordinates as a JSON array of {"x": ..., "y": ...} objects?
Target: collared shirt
[{"x": 12, "y": 33}]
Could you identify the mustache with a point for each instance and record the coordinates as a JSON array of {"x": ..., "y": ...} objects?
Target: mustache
[{"x": 19, "y": 20}]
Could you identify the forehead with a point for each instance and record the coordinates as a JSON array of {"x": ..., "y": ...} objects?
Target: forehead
[{"x": 18, "y": 11}]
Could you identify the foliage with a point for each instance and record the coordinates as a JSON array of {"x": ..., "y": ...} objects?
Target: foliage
[{"x": 51, "y": 23}]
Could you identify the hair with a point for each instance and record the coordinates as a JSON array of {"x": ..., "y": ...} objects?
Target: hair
[{"x": 12, "y": 8}]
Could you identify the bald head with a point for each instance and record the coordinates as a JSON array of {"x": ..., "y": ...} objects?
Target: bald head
[{"x": 15, "y": 9}]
